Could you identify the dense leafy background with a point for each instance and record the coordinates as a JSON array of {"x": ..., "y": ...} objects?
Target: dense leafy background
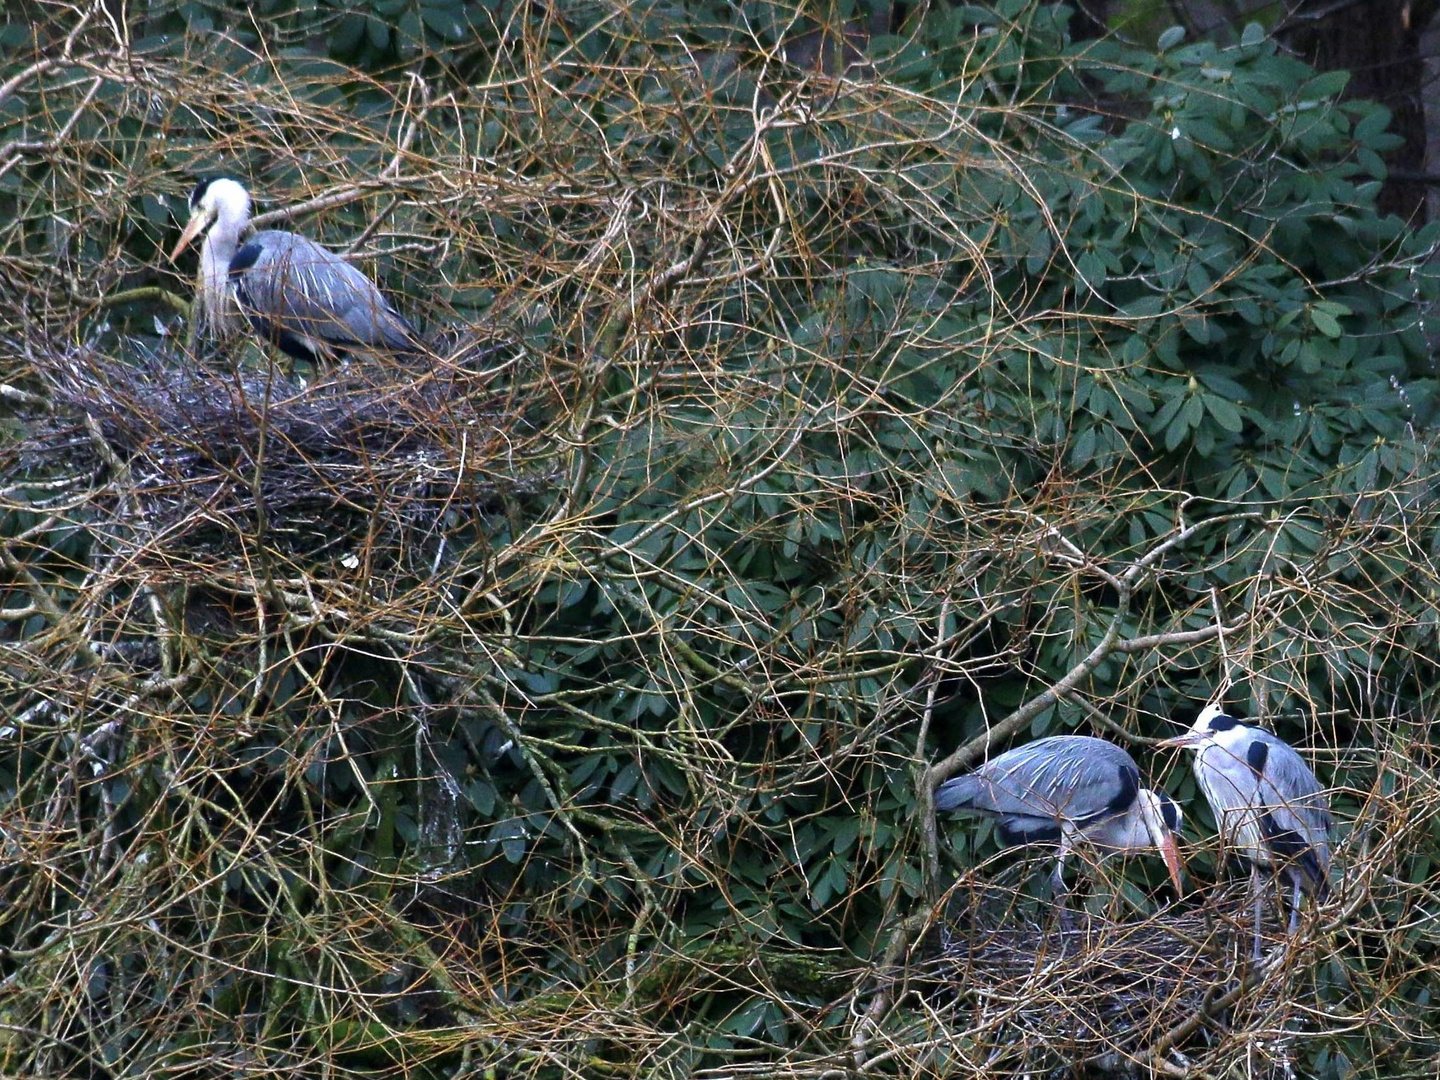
[{"x": 871, "y": 406}]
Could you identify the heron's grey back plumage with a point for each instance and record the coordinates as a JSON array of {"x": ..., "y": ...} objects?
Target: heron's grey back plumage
[
  {"x": 295, "y": 291},
  {"x": 1032, "y": 788}
]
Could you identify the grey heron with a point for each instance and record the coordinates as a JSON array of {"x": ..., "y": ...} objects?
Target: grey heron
[
  {"x": 1267, "y": 804},
  {"x": 304, "y": 298},
  {"x": 1072, "y": 789}
]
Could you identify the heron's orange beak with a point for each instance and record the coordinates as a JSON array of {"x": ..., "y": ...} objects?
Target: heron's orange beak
[
  {"x": 1170, "y": 852},
  {"x": 1190, "y": 738},
  {"x": 196, "y": 225}
]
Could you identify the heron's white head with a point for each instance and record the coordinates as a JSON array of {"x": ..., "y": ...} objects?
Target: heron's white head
[
  {"x": 1203, "y": 730},
  {"x": 221, "y": 203},
  {"x": 1208, "y": 715},
  {"x": 1162, "y": 818}
]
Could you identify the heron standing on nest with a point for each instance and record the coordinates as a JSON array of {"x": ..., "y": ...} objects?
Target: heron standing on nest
[
  {"x": 1069, "y": 789},
  {"x": 1267, "y": 804},
  {"x": 299, "y": 296}
]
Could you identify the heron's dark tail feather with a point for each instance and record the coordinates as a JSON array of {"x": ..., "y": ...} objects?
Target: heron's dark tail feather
[
  {"x": 1020, "y": 829},
  {"x": 1314, "y": 874},
  {"x": 1306, "y": 864},
  {"x": 400, "y": 334},
  {"x": 957, "y": 793}
]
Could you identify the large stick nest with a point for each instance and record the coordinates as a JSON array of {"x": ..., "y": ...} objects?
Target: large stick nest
[
  {"x": 1114, "y": 995},
  {"x": 201, "y": 457}
]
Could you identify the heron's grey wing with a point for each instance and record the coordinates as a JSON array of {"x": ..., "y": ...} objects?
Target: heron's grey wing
[
  {"x": 1295, "y": 815},
  {"x": 1290, "y": 827},
  {"x": 308, "y": 290},
  {"x": 1065, "y": 777},
  {"x": 1075, "y": 777},
  {"x": 988, "y": 795},
  {"x": 1019, "y": 820}
]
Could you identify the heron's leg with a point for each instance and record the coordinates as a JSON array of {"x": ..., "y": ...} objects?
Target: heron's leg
[
  {"x": 1295, "y": 905},
  {"x": 1058, "y": 892},
  {"x": 1257, "y": 888}
]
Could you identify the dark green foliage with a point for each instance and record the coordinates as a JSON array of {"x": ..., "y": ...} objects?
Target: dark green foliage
[{"x": 867, "y": 411}]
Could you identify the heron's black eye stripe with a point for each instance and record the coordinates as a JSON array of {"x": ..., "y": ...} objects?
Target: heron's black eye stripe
[
  {"x": 202, "y": 186},
  {"x": 1170, "y": 813},
  {"x": 1224, "y": 723},
  {"x": 1256, "y": 755}
]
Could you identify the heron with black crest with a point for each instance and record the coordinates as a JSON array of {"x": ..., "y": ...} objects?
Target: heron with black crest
[
  {"x": 1268, "y": 805},
  {"x": 1070, "y": 790},
  {"x": 297, "y": 295}
]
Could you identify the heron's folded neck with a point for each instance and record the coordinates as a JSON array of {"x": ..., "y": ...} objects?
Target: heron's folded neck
[{"x": 217, "y": 302}]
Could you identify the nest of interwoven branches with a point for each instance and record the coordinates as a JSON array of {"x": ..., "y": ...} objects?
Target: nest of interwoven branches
[
  {"x": 1114, "y": 995},
  {"x": 184, "y": 458}
]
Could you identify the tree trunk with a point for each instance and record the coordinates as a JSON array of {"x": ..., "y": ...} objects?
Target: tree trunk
[{"x": 1378, "y": 42}]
